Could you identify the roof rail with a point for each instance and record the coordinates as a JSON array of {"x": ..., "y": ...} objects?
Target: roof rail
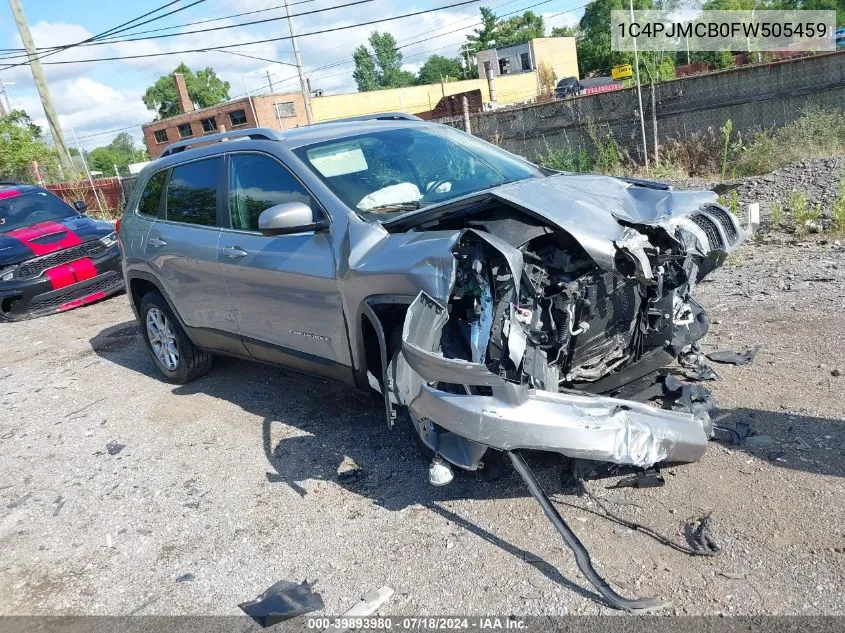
[
  {"x": 256, "y": 133},
  {"x": 381, "y": 116}
]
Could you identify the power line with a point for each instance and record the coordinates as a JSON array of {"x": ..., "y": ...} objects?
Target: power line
[
  {"x": 173, "y": 26},
  {"x": 346, "y": 61},
  {"x": 224, "y": 17},
  {"x": 120, "y": 28},
  {"x": 271, "y": 39},
  {"x": 225, "y": 26}
]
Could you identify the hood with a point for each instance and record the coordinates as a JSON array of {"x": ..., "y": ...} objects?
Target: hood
[
  {"x": 590, "y": 207},
  {"x": 48, "y": 237}
]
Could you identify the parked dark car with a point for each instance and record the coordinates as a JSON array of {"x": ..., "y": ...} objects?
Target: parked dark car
[
  {"x": 567, "y": 87},
  {"x": 52, "y": 257}
]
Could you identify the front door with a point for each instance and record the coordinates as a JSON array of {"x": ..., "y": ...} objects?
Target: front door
[
  {"x": 182, "y": 249},
  {"x": 283, "y": 288}
]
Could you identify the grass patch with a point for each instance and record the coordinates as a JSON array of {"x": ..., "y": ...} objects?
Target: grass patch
[
  {"x": 605, "y": 157},
  {"x": 564, "y": 158},
  {"x": 776, "y": 218},
  {"x": 837, "y": 211},
  {"x": 802, "y": 213},
  {"x": 608, "y": 157},
  {"x": 816, "y": 133}
]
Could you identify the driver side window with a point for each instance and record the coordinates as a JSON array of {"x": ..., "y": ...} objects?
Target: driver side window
[{"x": 256, "y": 183}]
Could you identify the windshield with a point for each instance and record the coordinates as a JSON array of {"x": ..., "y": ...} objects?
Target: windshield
[
  {"x": 396, "y": 170},
  {"x": 18, "y": 210}
]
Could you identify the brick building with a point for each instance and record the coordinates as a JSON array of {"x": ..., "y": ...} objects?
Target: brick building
[{"x": 279, "y": 111}]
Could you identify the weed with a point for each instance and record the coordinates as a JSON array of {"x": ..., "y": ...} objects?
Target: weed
[
  {"x": 776, "y": 218},
  {"x": 608, "y": 158},
  {"x": 802, "y": 213},
  {"x": 815, "y": 133},
  {"x": 734, "y": 203},
  {"x": 837, "y": 211},
  {"x": 726, "y": 143},
  {"x": 668, "y": 169},
  {"x": 564, "y": 158}
]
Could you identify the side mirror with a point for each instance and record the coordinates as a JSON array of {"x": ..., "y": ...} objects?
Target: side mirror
[
  {"x": 80, "y": 206},
  {"x": 288, "y": 218}
]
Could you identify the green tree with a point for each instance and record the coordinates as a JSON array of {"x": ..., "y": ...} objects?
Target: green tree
[
  {"x": 565, "y": 31},
  {"x": 365, "y": 69},
  {"x": 121, "y": 152},
  {"x": 205, "y": 89},
  {"x": 21, "y": 143},
  {"x": 438, "y": 67},
  {"x": 485, "y": 37},
  {"x": 594, "y": 54},
  {"x": 380, "y": 66},
  {"x": 520, "y": 28}
]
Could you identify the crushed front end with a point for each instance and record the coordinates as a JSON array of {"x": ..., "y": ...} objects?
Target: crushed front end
[{"x": 551, "y": 314}]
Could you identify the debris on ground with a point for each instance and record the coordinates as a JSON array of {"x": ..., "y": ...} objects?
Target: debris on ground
[
  {"x": 114, "y": 448},
  {"x": 367, "y": 605},
  {"x": 19, "y": 502},
  {"x": 646, "y": 479},
  {"x": 188, "y": 577},
  {"x": 734, "y": 358},
  {"x": 282, "y": 601},
  {"x": 349, "y": 471},
  {"x": 759, "y": 441}
]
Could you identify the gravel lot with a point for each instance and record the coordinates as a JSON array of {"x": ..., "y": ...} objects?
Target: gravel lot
[{"x": 232, "y": 480}]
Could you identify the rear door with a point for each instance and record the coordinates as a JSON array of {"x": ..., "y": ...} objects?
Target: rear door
[
  {"x": 283, "y": 287},
  {"x": 182, "y": 250}
]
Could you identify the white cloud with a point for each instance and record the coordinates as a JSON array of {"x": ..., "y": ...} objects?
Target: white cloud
[
  {"x": 88, "y": 107},
  {"x": 564, "y": 19}
]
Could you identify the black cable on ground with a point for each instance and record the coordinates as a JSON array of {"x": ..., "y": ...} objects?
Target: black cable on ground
[
  {"x": 700, "y": 536},
  {"x": 582, "y": 556}
]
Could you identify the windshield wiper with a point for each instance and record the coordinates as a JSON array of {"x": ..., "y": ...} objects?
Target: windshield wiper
[{"x": 396, "y": 206}]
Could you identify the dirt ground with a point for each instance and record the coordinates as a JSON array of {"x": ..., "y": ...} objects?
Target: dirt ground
[{"x": 227, "y": 485}]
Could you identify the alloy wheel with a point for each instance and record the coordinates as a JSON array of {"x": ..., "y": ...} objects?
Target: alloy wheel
[{"x": 162, "y": 339}]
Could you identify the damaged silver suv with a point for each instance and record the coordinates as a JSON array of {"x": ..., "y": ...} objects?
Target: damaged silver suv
[{"x": 501, "y": 305}]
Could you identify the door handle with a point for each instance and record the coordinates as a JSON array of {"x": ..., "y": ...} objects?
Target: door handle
[
  {"x": 233, "y": 251},
  {"x": 156, "y": 242}
]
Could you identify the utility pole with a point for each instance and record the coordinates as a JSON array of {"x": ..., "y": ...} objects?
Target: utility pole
[
  {"x": 41, "y": 85},
  {"x": 269, "y": 81},
  {"x": 87, "y": 171},
  {"x": 251, "y": 106},
  {"x": 306, "y": 97},
  {"x": 639, "y": 91}
]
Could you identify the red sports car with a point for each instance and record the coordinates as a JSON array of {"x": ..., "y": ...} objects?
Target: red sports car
[{"x": 52, "y": 257}]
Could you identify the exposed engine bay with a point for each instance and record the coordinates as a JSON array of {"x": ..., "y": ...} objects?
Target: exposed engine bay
[{"x": 541, "y": 318}]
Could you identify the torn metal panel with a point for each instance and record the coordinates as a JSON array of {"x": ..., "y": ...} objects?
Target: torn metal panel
[
  {"x": 575, "y": 424},
  {"x": 589, "y": 207}
]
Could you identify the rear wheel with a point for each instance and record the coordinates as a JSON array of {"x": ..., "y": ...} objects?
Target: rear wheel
[{"x": 176, "y": 357}]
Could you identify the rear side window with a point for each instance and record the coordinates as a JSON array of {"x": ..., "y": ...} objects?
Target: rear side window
[
  {"x": 192, "y": 193},
  {"x": 257, "y": 183},
  {"x": 151, "y": 197}
]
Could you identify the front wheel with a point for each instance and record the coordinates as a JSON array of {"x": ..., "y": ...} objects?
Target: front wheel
[{"x": 176, "y": 357}]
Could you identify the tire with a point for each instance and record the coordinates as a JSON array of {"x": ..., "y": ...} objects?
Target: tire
[{"x": 176, "y": 357}]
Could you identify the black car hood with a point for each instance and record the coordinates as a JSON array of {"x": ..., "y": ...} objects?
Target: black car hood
[{"x": 44, "y": 237}]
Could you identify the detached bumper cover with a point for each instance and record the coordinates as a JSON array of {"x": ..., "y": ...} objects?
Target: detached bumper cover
[{"x": 575, "y": 424}]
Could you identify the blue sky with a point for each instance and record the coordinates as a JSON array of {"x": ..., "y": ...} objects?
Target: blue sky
[{"x": 96, "y": 98}]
